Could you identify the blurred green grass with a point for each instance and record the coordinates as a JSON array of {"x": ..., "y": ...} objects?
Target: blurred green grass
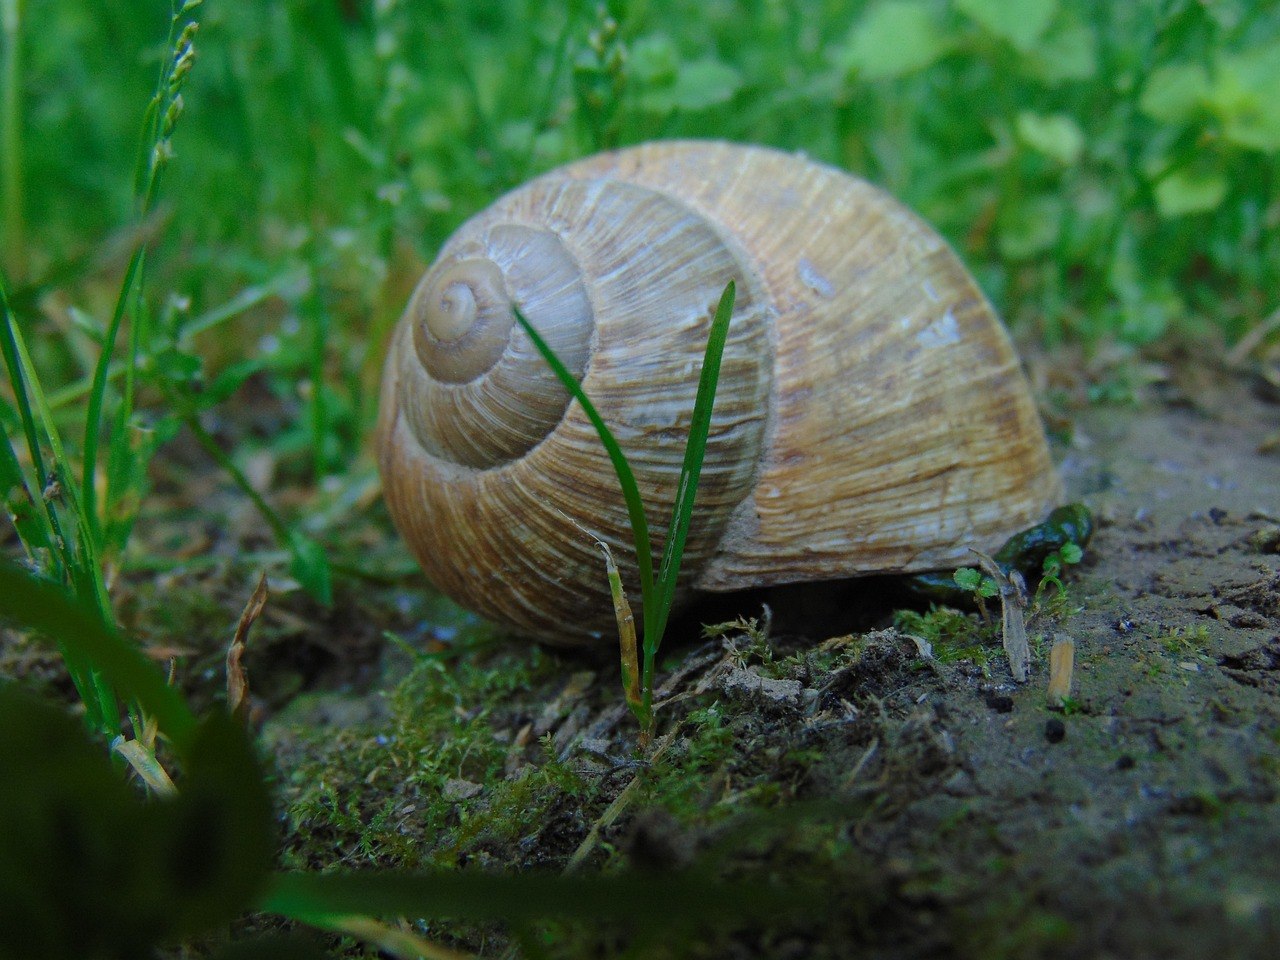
[{"x": 1108, "y": 171}]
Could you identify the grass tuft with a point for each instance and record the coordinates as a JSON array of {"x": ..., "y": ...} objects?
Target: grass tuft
[{"x": 657, "y": 595}]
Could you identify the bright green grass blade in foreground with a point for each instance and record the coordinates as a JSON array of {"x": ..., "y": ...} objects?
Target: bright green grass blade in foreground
[
  {"x": 636, "y": 897},
  {"x": 626, "y": 479},
  {"x": 694, "y": 452},
  {"x": 658, "y": 596}
]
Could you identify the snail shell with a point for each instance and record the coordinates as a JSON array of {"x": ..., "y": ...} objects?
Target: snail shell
[{"x": 871, "y": 415}]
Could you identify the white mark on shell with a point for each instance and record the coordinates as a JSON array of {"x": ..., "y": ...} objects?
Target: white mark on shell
[
  {"x": 941, "y": 332},
  {"x": 812, "y": 278},
  {"x": 929, "y": 292}
]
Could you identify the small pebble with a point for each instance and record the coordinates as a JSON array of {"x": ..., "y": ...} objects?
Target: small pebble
[
  {"x": 461, "y": 790},
  {"x": 1055, "y": 730}
]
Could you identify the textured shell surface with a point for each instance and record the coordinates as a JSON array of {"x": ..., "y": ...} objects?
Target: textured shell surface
[{"x": 871, "y": 415}]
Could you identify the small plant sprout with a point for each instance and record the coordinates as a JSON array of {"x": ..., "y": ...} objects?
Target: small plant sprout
[
  {"x": 982, "y": 588},
  {"x": 1054, "y": 563},
  {"x": 657, "y": 592}
]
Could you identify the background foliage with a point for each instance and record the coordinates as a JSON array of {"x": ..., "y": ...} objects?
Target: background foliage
[{"x": 1109, "y": 170}]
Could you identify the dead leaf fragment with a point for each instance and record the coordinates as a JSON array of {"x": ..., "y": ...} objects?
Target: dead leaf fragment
[
  {"x": 1013, "y": 600},
  {"x": 1061, "y": 667},
  {"x": 237, "y": 678}
]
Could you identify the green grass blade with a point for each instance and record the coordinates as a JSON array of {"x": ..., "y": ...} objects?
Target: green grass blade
[
  {"x": 97, "y": 400},
  {"x": 31, "y": 522},
  {"x": 644, "y": 898},
  {"x": 79, "y": 562},
  {"x": 157, "y": 126},
  {"x": 44, "y": 606},
  {"x": 87, "y": 563},
  {"x": 11, "y": 148},
  {"x": 694, "y": 452},
  {"x": 626, "y": 479},
  {"x": 8, "y": 333},
  {"x": 50, "y": 532}
]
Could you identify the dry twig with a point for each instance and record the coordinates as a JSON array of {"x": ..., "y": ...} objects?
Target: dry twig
[
  {"x": 237, "y": 678},
  {"x": 1013, "y": 600}
]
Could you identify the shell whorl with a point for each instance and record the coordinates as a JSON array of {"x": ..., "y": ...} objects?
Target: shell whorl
[
  {"x": 481, "y": 393},
  {"x": 622, "y": 281}
]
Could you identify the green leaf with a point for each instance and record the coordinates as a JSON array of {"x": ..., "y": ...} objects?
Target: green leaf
[
  {"x": 218, "y": 839},
  {"x": 179, "y": 367},
  {"x": 894, "y": 38},
  {"x": 310, "y": 566},
  {"x": 1186, "y": 191},
  {"x": 704, "y": 83},
  {"x": 1021, "y": 22},
  {"x": 229, "y": 381},
  {"x": 89, "y": 870},
  {"x": 668, "y": 84},
  {"x": 1069, "y": 51},
  {"x": 1244, "y": 96},
  {"x": 1071, "y": 553},
  {"x": 654, "y": 61},
  {"x": 1176, "y": 93},
  {"x": 967, "y": 578},
  {"x": 1055, "y": 135}
]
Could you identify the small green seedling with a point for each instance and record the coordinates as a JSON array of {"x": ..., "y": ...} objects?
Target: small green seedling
[
  {"x": 657, "y": 593},
  {"x": 982, "y": 588},
  {"x": 1056, "y": 561}
]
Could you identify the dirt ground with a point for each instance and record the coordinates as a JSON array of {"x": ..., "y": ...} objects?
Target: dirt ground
[
  {"x": 933, "y": 806},
  {"x": 942, "y": 809}
]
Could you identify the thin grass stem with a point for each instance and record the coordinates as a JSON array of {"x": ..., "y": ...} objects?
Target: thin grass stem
[
  {"x": 153, "y": 153},
  {"x": 11, "y": 151},
  {"x": 657, "y": 596},
  {"x": 690, "y": 474},
  {"x": 626, "y": 479}
]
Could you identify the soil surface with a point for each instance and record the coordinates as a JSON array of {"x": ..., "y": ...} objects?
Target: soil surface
[
  {"x": 942, "y": 808},
  {"x": 932, "y": 806}
]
